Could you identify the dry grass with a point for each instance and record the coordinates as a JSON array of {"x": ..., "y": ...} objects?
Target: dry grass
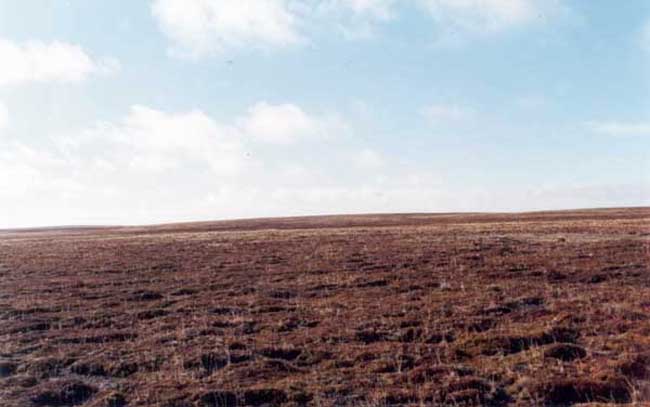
[{"x": 536, "y": 309}]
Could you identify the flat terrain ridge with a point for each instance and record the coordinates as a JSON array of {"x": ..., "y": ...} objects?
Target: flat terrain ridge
[{"x": 544, "y": 308}]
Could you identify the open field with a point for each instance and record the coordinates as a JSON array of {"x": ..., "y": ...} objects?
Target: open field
[{"x": 532, "y": 309}]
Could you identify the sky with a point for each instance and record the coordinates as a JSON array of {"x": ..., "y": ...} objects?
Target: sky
[{"x": 138, "y": 112}]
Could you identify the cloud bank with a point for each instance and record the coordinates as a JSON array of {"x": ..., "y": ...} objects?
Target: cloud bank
[{"x": 204, "y": 27}]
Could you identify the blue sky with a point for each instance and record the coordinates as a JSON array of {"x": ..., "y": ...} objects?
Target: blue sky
[{"x": 131, "y": 112}]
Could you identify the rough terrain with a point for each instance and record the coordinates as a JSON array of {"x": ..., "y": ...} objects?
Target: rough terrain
[{"x": 462, "y": 309}]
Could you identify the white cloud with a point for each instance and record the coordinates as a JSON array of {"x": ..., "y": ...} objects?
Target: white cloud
[
  {"x": 445, "y": 113},
  {"x": 488, "y": 16},
  {"x": 279, "y": 124},
  {"x": 356, "y": 19},
  {"x": 200, "y": 27},
  {"x": 24, "y": 168},
  {"x": 152, "y": 140},
  {"x": 614, "y": 128},
  {"x": 37, "y": 61}
]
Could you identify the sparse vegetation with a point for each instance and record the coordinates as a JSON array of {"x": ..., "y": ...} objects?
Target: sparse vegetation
[{"x": 460, "y": 310}]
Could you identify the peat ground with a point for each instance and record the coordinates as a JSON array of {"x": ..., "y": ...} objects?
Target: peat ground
[{"x": 548, "y": 308}]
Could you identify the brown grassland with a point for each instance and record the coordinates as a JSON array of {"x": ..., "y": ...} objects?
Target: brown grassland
[{"x": 456, "y": 310}]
